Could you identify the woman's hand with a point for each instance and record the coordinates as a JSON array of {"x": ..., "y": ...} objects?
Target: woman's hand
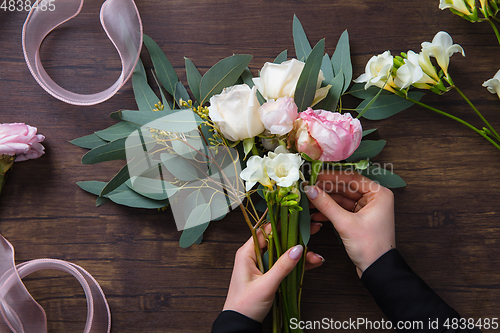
[
  {"x": 361, "y": 211},
  {"x": 251, "y": 293}
]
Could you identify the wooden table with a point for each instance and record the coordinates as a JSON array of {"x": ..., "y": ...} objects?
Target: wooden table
[{"x": 447, "y": 216}]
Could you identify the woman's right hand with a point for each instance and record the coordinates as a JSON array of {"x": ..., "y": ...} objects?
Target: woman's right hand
[{"x": 361, "y": 210}]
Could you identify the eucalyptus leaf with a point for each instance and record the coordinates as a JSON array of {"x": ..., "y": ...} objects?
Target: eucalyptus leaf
[
  {"x": 331, "y": 100},
  {"x": 89, "y": 141},
  {"x": 99, "y": 201},
  {"x": 223, "y": 74},
  {"x": 388, "y": 105},
  {"x": 341, "y": 59},
  {"x": 155, "y": 189},
  {"x": 367, "y": 132},
  {"x": 94, "y": 187},
  {"x": 196, "y": 224},
  {"x": 119, "y": 179},
  {"x": 163, "y": 68},
  {"x": 114, "y": 150},
  {"x": 117, "y": 131},
  {"x": 144, "y": 95},
  {"x": 384, "y": 177},
  {"x": 308, "y": 79},
  {"x": 247, "y": 77},
  {"x": 282, "y": 57},
  {"x": 131, "y": 198},
  {"x": 139, "y": 69},
  {"x": 327, "y": 69},
  {"x": 358, "y": 90},
  {"x": 367, "y": 149},
  {"x": 302, "y": 46},
  {"x": 181, "y": 93},
  {"x": 193, "y": 78},
  {"x": 179, "y": 167},
  {"x": 179, "y": 121}
]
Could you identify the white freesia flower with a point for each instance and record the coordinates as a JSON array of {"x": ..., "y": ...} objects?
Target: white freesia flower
[
  {"x": 378, "y": 71},
  {"x": 255, "y": 172},
  {"x": 442, "y": 48},
  {"x": 409, "y": 73},
  {"x": 280, "y": 80},
  {"x": 425, "y": 63},
  {"x": 283, "y": 167},
  {"x": 493, "y": 84},
  {"x": 412, "y": 73},
  {"x": 458, "y": 5}
]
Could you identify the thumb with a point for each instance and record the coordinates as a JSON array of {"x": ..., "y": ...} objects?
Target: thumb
[
  {"x": 283, "y": 266},
  {"x": 326, "y": 205}
]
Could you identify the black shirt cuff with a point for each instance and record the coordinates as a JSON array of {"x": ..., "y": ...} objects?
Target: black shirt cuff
[{"x": 234, "y": 322}]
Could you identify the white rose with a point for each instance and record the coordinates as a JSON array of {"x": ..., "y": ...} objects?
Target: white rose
[
  {"x": 278, "y": 116},
  {"x": 235, "y": 112},
  {"x": 378, "y": 71},
  {"x": 280, "y": 80},
  {"x": 493, "y": 84}
]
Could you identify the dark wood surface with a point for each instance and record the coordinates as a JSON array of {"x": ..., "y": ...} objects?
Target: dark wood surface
[{"x": 447, "y": 217}]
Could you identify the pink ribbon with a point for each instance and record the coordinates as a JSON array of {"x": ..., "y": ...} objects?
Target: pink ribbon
[
  {"x": 22, "y": 314},
  {"x": 121, "y": 22}
]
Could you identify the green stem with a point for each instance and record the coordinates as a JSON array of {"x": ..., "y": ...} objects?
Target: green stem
[
  {"x": 292, "y": 278},
  {"x": 275, "y": 229},
  {"x": 484, "y": 135},
  {"x": 284, "y": 228},
  {"x": 495, "y": 134},
  {"x": 315, "y": 169},
  {"x": 270, "y": 252},
  {"x": 494, "y": 29}
]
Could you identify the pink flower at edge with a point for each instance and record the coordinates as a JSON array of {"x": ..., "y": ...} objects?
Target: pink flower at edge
[
  {"x": 325, "y": 135},
  {"x": 20, "y": 140}
]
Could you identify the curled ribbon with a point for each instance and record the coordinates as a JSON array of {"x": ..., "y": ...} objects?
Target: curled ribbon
[
  {"x": 22, "y": 314},
  {"x": 120, "y": 20}
]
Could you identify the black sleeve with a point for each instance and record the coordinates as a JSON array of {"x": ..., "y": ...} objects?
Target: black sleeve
[
  {"x": 404, "y": 297},
  {"x": 234, "y": 322}
]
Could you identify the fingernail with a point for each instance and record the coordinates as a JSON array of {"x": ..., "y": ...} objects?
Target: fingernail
[
  {"x": 311, "y": 192},
  {"x": 296, "y": 252},
  {"x": 320, "y": 256},
  {"x": 317, "y": 224}
]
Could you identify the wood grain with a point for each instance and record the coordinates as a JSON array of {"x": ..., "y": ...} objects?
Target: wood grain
[{"x": 447, "y": 216}]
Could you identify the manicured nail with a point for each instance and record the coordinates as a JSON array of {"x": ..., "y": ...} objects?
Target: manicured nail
[
  {"x": 296, "y": 252},
  {"x": 320, "y": 256},
  {"x": 319, "y": 224},
  {"x": 311, "y": 192}
]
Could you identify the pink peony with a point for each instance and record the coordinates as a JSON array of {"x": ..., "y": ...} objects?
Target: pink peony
[
  {"x": 325, "y": 135},
  {"x": 278, "y": 116},
  {"x": 20, "y": 140}
]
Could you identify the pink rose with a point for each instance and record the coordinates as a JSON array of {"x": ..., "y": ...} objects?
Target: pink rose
[
  {"x": 20, "y": 140},
  {"x": 325, "y": 135},
  {"x": 278, "y": 116}
]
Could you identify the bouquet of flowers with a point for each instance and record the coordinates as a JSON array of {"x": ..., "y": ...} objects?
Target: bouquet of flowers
[{"x": 235, "y": 140}]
